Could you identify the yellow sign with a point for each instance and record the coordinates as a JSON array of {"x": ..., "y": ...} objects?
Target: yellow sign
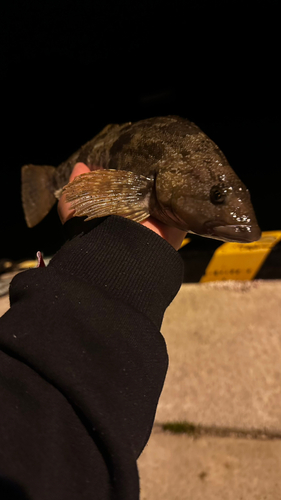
[
  {"x": 27, "y": 264},
  {"x": 240, "y": 261},
  {"x": 185, "y": 241}
]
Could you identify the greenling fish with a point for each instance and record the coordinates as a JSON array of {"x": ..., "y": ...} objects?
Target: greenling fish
[{"x": 164, "y": 167}]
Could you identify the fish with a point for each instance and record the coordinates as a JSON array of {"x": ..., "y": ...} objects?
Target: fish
[{"x": 164, "y": 167}]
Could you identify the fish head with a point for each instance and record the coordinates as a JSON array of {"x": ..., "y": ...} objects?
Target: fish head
[{"x": 207, "y": 198}]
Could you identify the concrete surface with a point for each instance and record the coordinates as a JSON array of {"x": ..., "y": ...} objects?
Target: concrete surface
[
  {"x": 224, "y": 345},
  {"x": 4, "y": 304},
  {"x": 181, "y": 468}
]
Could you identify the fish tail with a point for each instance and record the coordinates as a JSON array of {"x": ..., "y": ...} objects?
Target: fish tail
[{"x": 37, "y": 191}]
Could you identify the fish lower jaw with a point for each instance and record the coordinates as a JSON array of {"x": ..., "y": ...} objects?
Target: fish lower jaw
[{"x": 243, "y": 233}]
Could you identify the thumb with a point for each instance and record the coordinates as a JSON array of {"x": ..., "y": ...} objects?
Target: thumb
[{"x": 79, "y": 168}]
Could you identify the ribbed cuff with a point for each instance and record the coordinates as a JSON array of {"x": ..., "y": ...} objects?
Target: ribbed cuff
[{"x": 125, "y": 259}]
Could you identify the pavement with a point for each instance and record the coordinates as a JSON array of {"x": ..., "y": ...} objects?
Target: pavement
[
  {"x": 4, "y": 304},
  {"x": 221, "y": 402}
]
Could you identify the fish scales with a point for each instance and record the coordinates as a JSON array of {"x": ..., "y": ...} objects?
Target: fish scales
[{"x": 165, "y": 167}]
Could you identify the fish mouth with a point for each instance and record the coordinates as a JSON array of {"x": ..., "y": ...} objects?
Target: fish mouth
[{"x": 243, "y": 233}]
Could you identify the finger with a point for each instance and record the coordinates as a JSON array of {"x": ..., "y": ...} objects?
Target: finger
[{"x": 79, "y": 168}]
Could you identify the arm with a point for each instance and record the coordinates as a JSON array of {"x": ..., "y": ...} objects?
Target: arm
[{"x": 82, "y": 363}]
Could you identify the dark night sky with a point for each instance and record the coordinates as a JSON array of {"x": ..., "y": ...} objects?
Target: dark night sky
[{"x": 69, "y": 68}]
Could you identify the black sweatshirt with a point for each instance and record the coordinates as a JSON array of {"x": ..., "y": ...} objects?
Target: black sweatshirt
[{"x": 83, "y": 363}]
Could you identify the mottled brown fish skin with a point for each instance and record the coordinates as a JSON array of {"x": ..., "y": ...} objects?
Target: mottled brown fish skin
[
  {"x": 137, "y": 147},
  {"x": 186, "y": 165}
]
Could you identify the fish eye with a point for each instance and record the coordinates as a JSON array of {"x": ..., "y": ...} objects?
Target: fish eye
[{"x": 217, "y": 195}]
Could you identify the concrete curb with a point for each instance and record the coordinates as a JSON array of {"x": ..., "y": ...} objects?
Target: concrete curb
[{"x": 224, "y": 345}]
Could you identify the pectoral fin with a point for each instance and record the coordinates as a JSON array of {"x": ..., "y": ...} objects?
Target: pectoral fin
[{"x": 110, "y": 192}]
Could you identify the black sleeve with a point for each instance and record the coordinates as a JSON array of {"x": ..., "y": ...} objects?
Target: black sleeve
[{"x": 83, "y": 363}]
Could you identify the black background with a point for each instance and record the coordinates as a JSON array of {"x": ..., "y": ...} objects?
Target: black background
[{"x": 70, "y": 68}]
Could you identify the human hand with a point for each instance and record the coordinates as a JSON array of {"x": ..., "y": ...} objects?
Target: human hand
[{"x": 172, "y": 235}]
